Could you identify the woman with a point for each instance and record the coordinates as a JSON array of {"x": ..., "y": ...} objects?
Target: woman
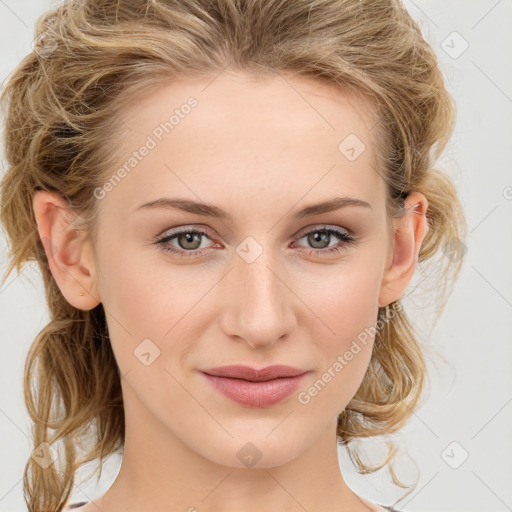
[{"x": 227, "y": 200}]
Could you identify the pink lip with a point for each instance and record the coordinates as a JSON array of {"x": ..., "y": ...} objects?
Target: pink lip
[{"x": 255, "y": 388}]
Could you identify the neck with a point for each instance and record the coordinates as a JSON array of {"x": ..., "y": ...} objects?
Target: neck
[{"x": 160, "y": 473}]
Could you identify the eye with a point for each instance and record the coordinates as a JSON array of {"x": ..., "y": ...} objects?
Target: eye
[
  {"x": 188, "y": 241},
  {"x": 319, "y": 239}
]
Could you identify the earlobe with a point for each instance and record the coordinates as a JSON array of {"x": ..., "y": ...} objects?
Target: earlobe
[
  {"x": 408, "y": 237},
  {"x": 66, "y": 251}
]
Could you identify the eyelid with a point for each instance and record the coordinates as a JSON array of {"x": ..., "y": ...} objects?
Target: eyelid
[
  {"x": 320, "y": 227},
  {"x": 185, "y": 229},
  {"x": 211, "y": 234}
]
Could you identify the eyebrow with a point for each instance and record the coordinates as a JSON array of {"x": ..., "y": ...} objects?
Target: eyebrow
[{"x": 209, "y": 210}]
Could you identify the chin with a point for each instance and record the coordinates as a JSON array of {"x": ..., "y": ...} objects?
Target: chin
[{"x": 258, "y": 450}]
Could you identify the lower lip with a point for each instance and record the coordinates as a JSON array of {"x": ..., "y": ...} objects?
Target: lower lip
[{"x": 256, "y": 394}]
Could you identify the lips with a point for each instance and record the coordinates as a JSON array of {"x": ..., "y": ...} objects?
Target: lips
[
  {"x": 254, "y": 374},
  {"x": 252, "y": 387}
]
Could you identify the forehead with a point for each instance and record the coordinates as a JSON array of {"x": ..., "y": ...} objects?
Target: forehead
[{"x": 238, "y": 135}]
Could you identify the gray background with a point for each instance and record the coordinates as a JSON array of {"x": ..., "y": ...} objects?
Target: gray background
[{"x": 468, "y": 412}]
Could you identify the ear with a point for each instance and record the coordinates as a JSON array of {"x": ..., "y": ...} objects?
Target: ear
[
  {"x": 408, "y": 236},
  {"x": 69, "y": 255}
]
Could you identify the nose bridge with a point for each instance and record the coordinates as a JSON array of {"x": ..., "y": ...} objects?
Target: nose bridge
[{"x": 260, "y": 305}]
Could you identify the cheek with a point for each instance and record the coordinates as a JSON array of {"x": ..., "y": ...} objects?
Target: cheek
[
  {"x": 345, "y": 295},
  {"x": 345, "y": 307},
  {"x": 145, "y": 301},
  {"x": 131, "y": 298},
  {"x": 343, "y": 298}
]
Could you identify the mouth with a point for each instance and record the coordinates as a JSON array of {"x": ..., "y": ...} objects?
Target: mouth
[
  {"x": 254, "y": 374},
  {"x": 251, "y": 387}
]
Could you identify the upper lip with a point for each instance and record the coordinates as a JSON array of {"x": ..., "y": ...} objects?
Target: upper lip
[{"x": 253, "y": 374}]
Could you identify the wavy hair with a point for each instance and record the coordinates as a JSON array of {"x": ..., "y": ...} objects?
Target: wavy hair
[{"x": 61, "y": 107}]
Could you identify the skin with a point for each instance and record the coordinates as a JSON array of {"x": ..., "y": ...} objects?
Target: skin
[{"x": 260, "y": 149}]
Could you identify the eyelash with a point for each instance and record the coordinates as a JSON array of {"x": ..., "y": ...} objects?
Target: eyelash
[{"x": 346, "y": 239}]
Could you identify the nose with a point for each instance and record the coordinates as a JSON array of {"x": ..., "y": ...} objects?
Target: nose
[{"x": 260, "y": 307}]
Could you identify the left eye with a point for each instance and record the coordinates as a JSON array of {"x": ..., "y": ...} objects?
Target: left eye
[
  {"x": 319, "y": 236},
  {"x": 189, "y": 241}
]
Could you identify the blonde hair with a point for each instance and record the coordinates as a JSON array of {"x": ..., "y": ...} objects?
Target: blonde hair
[{"x": 62, "y": 104}]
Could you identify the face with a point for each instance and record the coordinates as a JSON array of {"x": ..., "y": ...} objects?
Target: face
[{"x": 261, "y": 284}]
